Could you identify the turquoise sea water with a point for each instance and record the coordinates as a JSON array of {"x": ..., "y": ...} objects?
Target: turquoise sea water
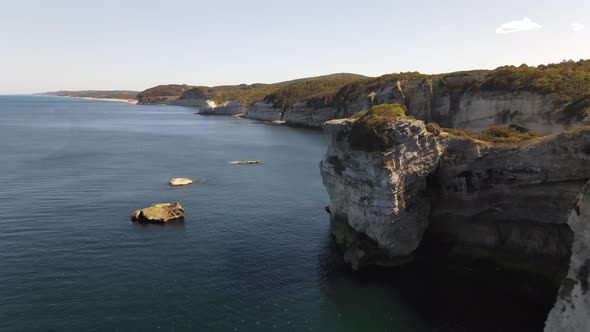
[{"x": 254, "y": 253}]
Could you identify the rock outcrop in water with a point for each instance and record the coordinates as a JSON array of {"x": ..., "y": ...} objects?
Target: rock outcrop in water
[
  {"x": 244, "y": 162},
  {"x": 159, "y": 213},
  {"x": 180, "y": 181}
]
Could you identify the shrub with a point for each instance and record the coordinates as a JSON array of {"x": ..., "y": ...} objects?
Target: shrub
[
  {"x": 501, "y": 134},
  {"x": 387, "y": 110},
  {"x": 496, "y": 134},
  {"x": 317, "y": 90},
  {"x": 567, "y": 80},
  {"x": 462, "y": 133},
  {"x": 168, "y": 90},
  {"x": 368, "y": 131},
  {"x": 359, "y": 115}
]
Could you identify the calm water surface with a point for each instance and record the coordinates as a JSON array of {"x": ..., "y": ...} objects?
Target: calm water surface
[{"x": 254, "y": 253}]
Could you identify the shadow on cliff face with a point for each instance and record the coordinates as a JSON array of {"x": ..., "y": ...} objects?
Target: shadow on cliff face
[{"x": 448, "y": 293}]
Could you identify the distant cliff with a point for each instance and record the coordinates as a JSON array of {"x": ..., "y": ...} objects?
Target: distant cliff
[
  {"x": 161, "y": 94},
  {"x": 237, "y": 99},
  {"x": 548, "y": 98}
]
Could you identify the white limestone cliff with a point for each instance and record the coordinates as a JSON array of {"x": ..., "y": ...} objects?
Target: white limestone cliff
[
  {"x": 453, "y": 102},
  {"x": 571, "y": 312},
  {"x": 496, "y": 197}
]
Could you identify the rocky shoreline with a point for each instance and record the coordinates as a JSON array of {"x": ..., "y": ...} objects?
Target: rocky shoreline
[
  {"x": 118, "y": 100},
  {"x": 518, "y": 206},
  {"x": 460, "y": 100},
  {"x": 509, "y": 204}
]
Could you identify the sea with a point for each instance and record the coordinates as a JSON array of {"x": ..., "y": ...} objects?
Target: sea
[{"x": 253, "y": 254}]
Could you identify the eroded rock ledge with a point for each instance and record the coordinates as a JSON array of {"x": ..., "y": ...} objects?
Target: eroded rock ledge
[
  {"x": 508, "y": 203},
  {"x": 496, "y": 200}
]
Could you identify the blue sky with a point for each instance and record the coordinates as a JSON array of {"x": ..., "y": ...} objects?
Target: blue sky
[{"x": 62, "y": 44}]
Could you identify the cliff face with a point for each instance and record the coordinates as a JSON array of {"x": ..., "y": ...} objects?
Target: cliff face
[
  {"x": 263, "y": 111},
  {"x": 184, "y": 95},
  {"x": 571, "y": 312},
  {"x": 547, "y": 98},
  {"x": 300, "y": 114},
  {"x": 378, "y": 211},
  {"x": 231, "y": 107},
  {"x": 304, "y": 115},
  {"x": 457, "y": 102},
  {"x": 453, "y": 102},
  {"x": 508, "y": 203},
  {"x": 500, "y": 201}
]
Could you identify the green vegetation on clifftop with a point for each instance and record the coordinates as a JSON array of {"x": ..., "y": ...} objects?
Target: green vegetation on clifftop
[
  {"x": 281, "y": 95},
  {"x": 568, "y": 80},
  {"x": 496, "y": 134},
  {"x": 300, "y": 90},
  {"x": 368, "y": 133},
  {"x": 166, "y": 90}
]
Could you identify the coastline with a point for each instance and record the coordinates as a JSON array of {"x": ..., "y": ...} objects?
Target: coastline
[
  {"x": 128, "y": 101},
  {"x": 118, "y": 100}
]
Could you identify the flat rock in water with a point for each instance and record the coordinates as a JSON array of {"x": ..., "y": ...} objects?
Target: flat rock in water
[
  {"x": 159, "y": 213},
  {"x": 244, "y": 162},
  {"x": 180, "y": 182}
]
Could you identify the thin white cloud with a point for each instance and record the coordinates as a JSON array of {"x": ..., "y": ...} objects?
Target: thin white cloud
[
  {"x": 576, "y": 26},
  {"x": 526, "y": 24}
]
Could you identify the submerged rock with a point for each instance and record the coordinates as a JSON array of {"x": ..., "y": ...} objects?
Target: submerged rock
[
  {"x": 159, "y": 213},
  {"x": 180, "y": 181},
  {"x": 244, "y": 162}
]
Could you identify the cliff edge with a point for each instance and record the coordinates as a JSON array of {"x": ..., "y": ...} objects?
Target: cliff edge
[
  {"x": 501, "y": 198},
  {"x": 395, "y": 181},
  {"x": 546, "y": 98},
  {"x": 571, "y": 312}
]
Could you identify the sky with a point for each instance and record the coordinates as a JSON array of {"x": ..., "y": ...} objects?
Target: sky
[{"x": 134, "y": 45}]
